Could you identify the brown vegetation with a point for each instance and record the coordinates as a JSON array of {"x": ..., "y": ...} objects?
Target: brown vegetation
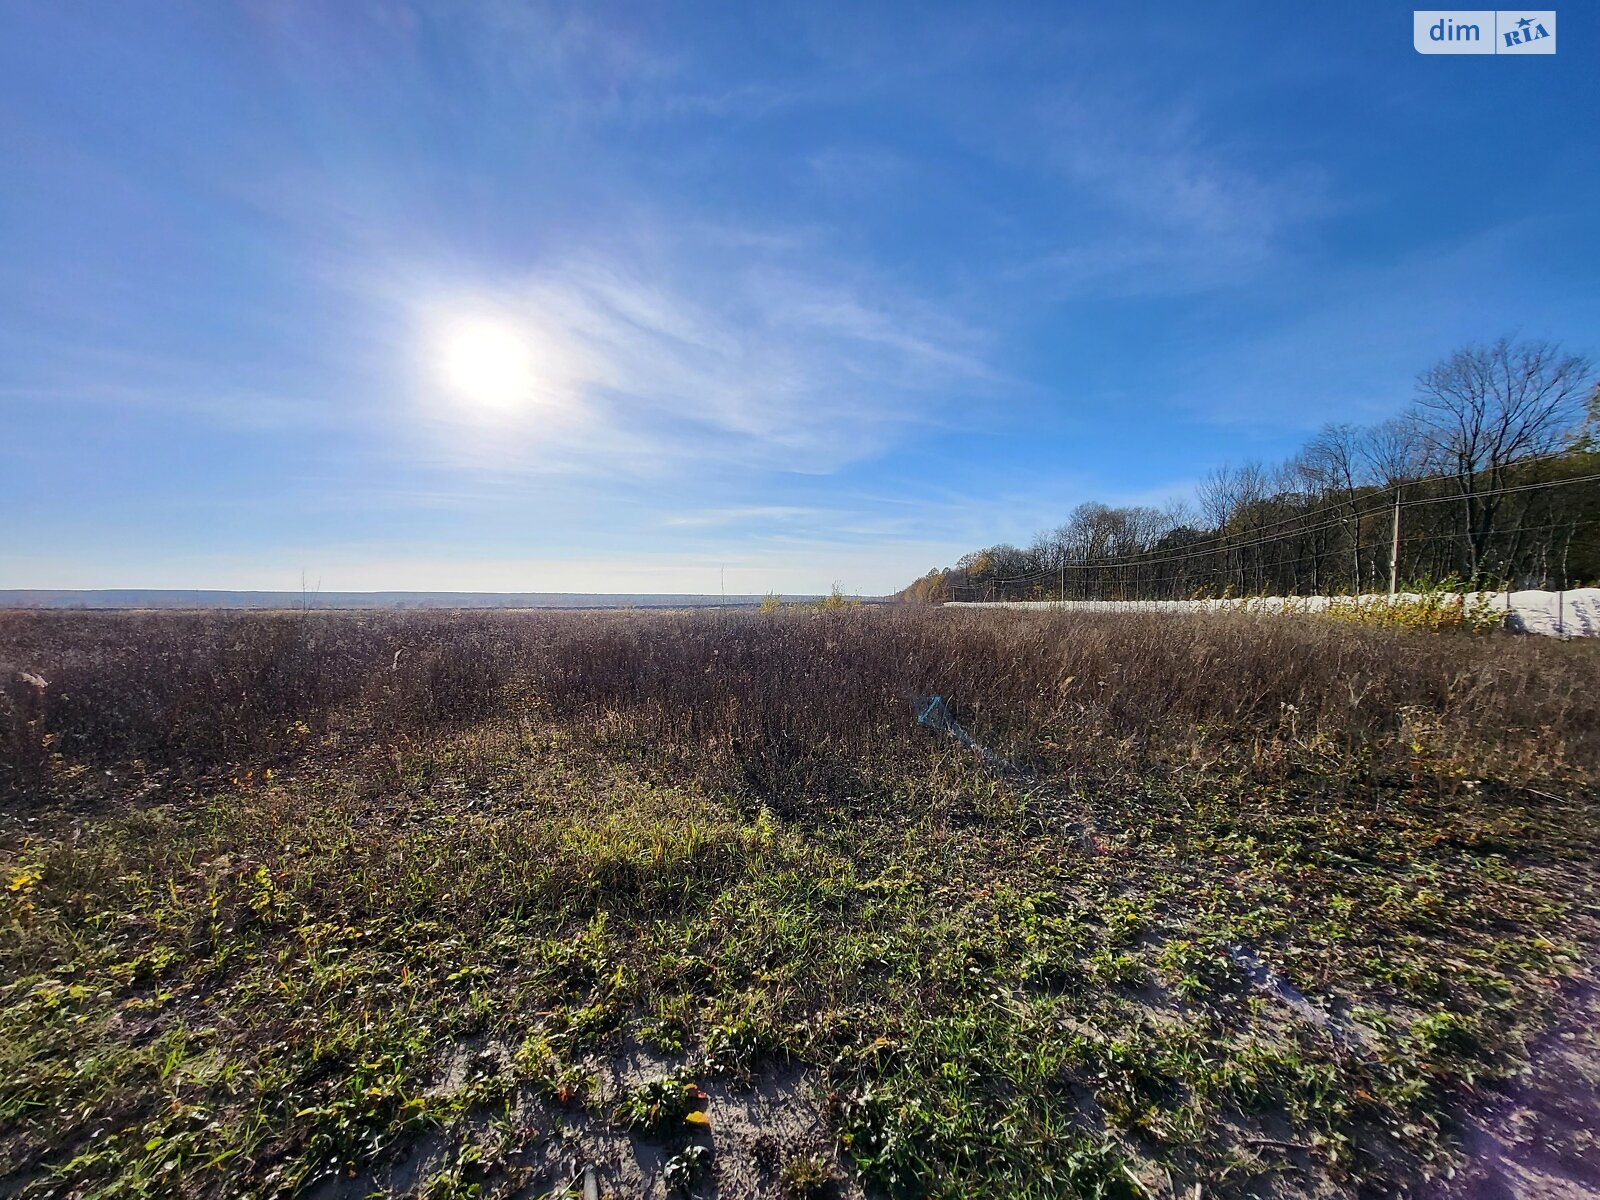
[{"x": 777, "y": 700}]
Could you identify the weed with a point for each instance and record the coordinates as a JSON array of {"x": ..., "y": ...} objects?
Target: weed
[
  {"x": 806, "y": 1177},
  {"x": 685, "y": 1168},
  {"x": 660, "y": 1107}
]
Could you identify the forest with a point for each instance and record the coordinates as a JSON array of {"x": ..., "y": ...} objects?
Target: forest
[{"x": 1489, "y": 479}]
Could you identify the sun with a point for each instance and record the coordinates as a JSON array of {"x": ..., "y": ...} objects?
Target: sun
[{"x": 487, "y": 364}]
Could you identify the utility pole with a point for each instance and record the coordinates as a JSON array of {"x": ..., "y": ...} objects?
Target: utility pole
[
  {"x": 1063, "y": 582},
  {"x": 1394, "y": 550}
]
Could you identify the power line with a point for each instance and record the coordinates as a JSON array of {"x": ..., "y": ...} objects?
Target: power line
[
  {"x": 1384, "y": 489},
  {"x": 1280, "y": 564},
  {"x": 1121, "y": 570},
  {"x": 1253, "y": 538},
  {"x": 1506, "y": 491}
]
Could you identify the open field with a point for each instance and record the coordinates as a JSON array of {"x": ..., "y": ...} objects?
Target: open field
[
  {"x": 199, "y": 599},
  {"x": 453, "y": 905}
]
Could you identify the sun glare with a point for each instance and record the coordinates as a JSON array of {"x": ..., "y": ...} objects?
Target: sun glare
[{"x": 487, "y": 364}]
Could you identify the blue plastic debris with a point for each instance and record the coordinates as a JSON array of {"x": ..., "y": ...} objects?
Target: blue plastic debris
[{"x": 936, "y": 716}]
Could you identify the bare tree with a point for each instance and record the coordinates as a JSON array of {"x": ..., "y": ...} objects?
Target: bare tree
[
  {"x": 1332, "y": 460},
  {"x": 1487, "y": 407},
  {"x": 1227, "y": 492},
  {"x": 1588, "y": 439},
  {"x": 1177, "y": 513},
  {"x": 1231, "y": 498},
  {"x": 1393, "y": 452},
  {"x": 1216, "y": 496}
]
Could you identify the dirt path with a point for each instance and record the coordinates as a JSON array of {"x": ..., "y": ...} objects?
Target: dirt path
[{"x": 1543, "y": 1141}]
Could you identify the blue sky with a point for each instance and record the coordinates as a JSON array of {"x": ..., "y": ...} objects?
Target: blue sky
[{"x": 811, "y": 293}]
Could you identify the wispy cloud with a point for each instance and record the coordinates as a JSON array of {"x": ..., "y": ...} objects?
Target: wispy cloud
[
  {"x": 651, "y": 363},
  {"x": 1159, "y": 205}
]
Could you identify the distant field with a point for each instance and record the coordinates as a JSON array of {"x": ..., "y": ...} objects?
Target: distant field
[
  {"x": 127, "y": 599},
  {"x": 335, "y": 904}
]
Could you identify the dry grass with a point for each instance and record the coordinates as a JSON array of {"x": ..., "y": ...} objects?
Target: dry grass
[{"x": 785, "y": 701}]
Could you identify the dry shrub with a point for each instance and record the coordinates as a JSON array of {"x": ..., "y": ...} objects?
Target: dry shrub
[
  {"x": 440, "y": 675},
  {"x": 24, "y": 744},
  {"x": 184, "y": 691},
  {"x": 810, "y": 703}
]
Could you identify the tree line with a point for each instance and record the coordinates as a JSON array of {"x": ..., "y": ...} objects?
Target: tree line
[{"x": 1492, "y": 475}]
